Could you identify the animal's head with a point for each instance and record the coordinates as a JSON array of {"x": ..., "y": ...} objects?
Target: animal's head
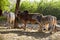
[
  {"x": 37, "y": 17},
  {"x": 25, "y": 12},
  {"x": 22, "y": 13},
  {"x": 45, "y": 26},
  {"x": 18, "y": 14}
]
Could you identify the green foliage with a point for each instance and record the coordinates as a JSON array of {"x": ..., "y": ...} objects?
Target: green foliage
[
  {"x": 26, "y": 5},
  {"x": 13, "y": 8},
  {"x": 44, "y": 7},
  {"x": 4, "y": 4},
  {"x": 2, "y": 18},
  {"x": 52, "y": 8}
]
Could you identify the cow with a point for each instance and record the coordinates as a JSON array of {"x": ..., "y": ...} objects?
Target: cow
[
  {"x": 10, "y": 17},
  {"x": 47, "y": 22}
]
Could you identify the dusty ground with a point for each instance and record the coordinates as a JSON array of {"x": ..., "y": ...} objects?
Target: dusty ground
[{"x": 19, "y": 34}]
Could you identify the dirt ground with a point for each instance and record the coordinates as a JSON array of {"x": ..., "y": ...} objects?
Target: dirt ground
[
  {"x": 29, "y": 34},
  {"x": 15, "y": 34}
]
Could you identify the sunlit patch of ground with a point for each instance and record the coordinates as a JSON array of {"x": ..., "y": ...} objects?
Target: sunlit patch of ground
[
  {"x": 18, "y": 35},
  {"x": 28, "y": 34}
]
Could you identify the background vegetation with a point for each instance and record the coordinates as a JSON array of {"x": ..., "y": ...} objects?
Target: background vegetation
[
  {"x": 45, "y": 7},
  {"x": 4, "y": 5}
]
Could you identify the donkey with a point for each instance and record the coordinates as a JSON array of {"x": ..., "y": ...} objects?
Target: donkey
[
  {"x": 10, "y": 17},
  {"x": 25, "y": 17},
  {"x": 47, "y": 22},
  {"x": 50, "y": 24}
]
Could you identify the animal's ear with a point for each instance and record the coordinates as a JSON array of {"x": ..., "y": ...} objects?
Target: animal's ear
[
  {"x": 19, "y": 11},
  {"x": 25, "y": 11},
  {"x": 38, "y": 17},
  {"x": 18, "y": 14}
]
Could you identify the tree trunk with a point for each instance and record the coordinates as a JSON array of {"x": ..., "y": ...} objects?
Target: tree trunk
[
  {"x": 16, "y": 11},
  {"x": 0, "y": 12}
]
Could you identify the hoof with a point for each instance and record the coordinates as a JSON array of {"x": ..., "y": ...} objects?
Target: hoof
[{"x": 39, "y": 30}]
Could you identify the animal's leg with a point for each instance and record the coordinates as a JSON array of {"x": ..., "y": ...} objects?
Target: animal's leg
[
  {"x": 40, "y": 28},
  {"x": 32, "y": 22},
  {"x": 51, "y": 29},
  {"x": 24, "y": 25},
  {"x": 10, "y": 22},
  {"x": 7, "y": 22},
  {"x": 54, "y": 29}
]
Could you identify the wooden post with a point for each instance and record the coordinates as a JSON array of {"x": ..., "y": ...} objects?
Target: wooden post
[{"x": 16, "y": 11}]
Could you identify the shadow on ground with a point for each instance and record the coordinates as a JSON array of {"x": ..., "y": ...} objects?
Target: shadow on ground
[{"x": 33, "y": 34}]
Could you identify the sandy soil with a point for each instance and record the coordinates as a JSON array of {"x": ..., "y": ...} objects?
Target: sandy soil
[
  {"x": 29, "y": 34},
  {"x": 26, "y": 35}
]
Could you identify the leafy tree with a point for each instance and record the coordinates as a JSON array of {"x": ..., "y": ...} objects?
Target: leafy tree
[
  {"x": 31, "y": 7},
  {"x": 4, "y": 4},
  {"x": 47, "y": 8},
  {"x": 13, "y": 8}
]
